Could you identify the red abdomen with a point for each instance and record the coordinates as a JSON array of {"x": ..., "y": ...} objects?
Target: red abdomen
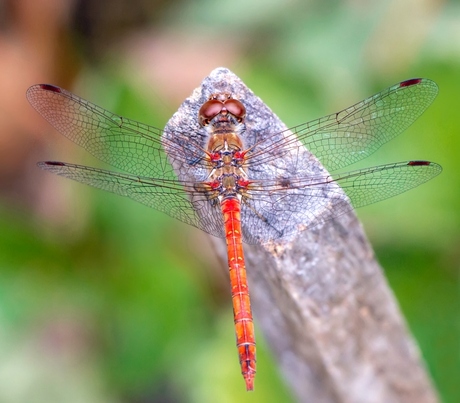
[{"x": 244, "y": 326}]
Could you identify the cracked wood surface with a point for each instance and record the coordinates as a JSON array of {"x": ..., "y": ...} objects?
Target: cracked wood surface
[{"x": 323, "y": 303}]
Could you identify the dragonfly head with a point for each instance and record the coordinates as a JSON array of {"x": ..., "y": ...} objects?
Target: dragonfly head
[{"x": 223, "y": 107}]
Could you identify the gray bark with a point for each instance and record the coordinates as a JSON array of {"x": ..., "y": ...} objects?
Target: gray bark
[
  {"x": 319, "y": 296},
  {"x": 332, "y": 321}
]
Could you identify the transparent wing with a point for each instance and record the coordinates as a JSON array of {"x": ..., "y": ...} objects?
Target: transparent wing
[
  {"x": 281, "y": 196},
  {"x": 178, "y": 200},
  {"x": 131, "y": 146},
  {"x": 270, "y": 211},
  {"x": 348, "y": 136},
  {"x": 274, "y": 210},
  {"x": 371, "y": 185}
]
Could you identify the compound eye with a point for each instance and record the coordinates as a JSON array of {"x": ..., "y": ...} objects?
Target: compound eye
[
  {"x": 209, "y": 110},
  {"x": 236, "y": 108}
]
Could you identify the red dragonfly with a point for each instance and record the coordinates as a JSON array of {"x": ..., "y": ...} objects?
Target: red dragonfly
[{"x": 230, "y": 176}]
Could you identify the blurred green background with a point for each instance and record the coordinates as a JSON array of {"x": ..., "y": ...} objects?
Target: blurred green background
[{"x": 105, "y": 300}]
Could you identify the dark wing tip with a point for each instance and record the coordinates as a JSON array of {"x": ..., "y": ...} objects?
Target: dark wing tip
[
  {"x": 418, "y": 163},
  {"x": 45, "y": 164},
  {"x": 42, "y": 87},
  {"x": 410, "y": 82},
  {"x": 49, "y": 87}
]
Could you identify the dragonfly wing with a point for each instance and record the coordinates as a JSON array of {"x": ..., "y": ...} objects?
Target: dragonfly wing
[
  {"x": 371, "y": 185},
  {"x": 276, "y": 209},
  {"x": 170, "y": 197},
  {"x": 123, "y": 143},
  {"x": 348, "y": 136},
  {"x": 278, "y": 213}
]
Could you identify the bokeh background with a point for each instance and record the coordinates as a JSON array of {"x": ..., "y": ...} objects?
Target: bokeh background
[{"x": 105, "y": 300}]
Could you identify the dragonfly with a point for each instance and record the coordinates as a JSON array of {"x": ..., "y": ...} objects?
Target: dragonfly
[{"x": 239, "y": 182}]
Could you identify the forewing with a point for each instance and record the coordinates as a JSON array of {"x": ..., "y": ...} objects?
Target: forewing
[
  {"x": 131, "y": 146},
  {"x": 348, "y": 136}
]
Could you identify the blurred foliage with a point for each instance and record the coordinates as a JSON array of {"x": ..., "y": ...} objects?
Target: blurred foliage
[{"x": 105, "y": 300}]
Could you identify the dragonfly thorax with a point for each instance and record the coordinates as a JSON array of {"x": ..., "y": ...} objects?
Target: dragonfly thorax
[
  {"x": 223, "y": 119},
  {"x": 227, "y": 178},
  {"x": 224, "y": 142}
]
